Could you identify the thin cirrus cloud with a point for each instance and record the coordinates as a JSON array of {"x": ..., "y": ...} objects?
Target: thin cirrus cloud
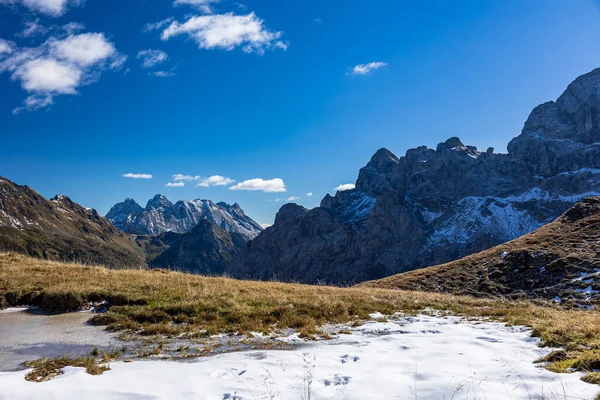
[
  {"x": 344, "y": 187},
  {"x": 137, "y": 176},
  {"x": 32, "y": 28},
  {"x": 51, "y": 8},
  {"x": 366, "y": 69},
  {"x": 309, "y": 194},
  {"x": 59, "y": 66},
  {"x": 152, "y": 57},
  {"x": 204, "y": 6},
  {"x": 175, "y": 184},
  {"x": 226, "y": 32},
  {"x": 293, "y": 198},
  {"x": 163, "y": 74},
  {"x": 275, "y": 185}
]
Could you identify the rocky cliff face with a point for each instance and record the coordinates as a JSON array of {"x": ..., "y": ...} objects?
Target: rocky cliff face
[
  {"x": 558, "y": 262},
  {"x": 436, "y": 205},
  {"x": 160, "y": 216},
  {"x": 206, "y": 249},
  {"x": 60, "y": 229}
]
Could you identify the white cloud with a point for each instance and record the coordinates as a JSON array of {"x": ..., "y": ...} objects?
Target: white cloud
[
  {"x": 52, "y": 8},
  {"x": 48, "y": 75},
  {"x": 293, "y": 198},
  {"x": 85, "y": 49},
  {"x": 202, "y": 5},
  {"x": 309, "y": 194},
  {"x": 365, "y": 69},
  {"x": 58, "y": 66},
  {"x": 215, "y": 180},
  {"x": 163, "y": 74},
  {"x": 151, "y": 57},
  {"x": 344, "y": 187},
  {"x": 226, "y": 32},
  {"x": 33, "y": 28},
  {"x": 175, "y": 184},
  {"x": 269, "y": 186},
  {"x": 73, "y": 27},
  {"x": 137, "y": 176},
  {"x": 181, "y": 177},
  {"x": 6, "y": 47},
  {"x": 154, "y": 26}
]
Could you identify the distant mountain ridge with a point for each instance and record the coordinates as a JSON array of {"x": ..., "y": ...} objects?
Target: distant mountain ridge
[
  {"x": 161, "y": 215},
  {"x": 206, "y": 249},
  {"x": 437, "y": 205},
  {"x": 60, "y": 229}
]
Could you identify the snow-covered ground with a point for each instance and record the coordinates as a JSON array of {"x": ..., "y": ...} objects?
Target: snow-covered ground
[{"x": 423, "y": 358}]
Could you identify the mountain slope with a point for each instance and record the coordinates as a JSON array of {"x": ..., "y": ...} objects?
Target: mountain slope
[
  {"x": 560, "y": 261},
  {"x": 437, "y": 205},
  {"x": 160, "y": 216},
  {"x": 59, "y": 229},
  {"x": 206, "y": 249}
]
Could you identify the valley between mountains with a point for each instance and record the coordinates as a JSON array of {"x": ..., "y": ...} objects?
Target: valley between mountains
[{"x": 473, "y": 274}]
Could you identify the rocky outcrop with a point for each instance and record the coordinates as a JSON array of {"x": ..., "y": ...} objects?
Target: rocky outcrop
[
  {"x": 432, "y": 206},
  {"x": 160, "y": 216},
  {"x": 558, "y": 262},
  {"x": 60, "y": 229},
  {"x": 206, "y": 249}
]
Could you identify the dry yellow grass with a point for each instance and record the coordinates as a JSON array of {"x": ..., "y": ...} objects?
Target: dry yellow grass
[{"x": 162, "y": 302}]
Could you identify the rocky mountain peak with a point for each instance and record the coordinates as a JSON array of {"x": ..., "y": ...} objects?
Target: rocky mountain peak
[
  {"x": 158, "y": 201},
  {"x": 289, "y": 212},
  {"x": 450, "y": 144},
  {"x": 563, "y": 135},
  {"x": 383, "y": 160}
]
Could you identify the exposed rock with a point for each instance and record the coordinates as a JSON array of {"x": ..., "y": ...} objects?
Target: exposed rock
[{"x": 434, "y": 206}]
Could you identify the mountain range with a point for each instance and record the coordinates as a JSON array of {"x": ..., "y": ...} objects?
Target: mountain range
[
  {"x": 161, "y": 215},
  {"x": 432, "y": 206},
  {"x": 428, "y": 207}
]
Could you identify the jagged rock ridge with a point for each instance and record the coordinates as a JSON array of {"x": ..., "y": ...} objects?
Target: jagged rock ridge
[
  {"x": 436, "y": 205},
  {"x": 160, "y": 216}
]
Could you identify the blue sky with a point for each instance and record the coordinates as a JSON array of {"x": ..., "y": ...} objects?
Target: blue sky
[{"x": 267, "y": 90}]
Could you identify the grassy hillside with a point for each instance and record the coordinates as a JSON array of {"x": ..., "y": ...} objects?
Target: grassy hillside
[
  {"x": 169, "y": 303},
  {"x": 60, "y": 229},
  {"x": 561, "y": 261}
]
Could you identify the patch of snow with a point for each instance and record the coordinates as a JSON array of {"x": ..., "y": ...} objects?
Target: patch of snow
[
  {"x": 376, "y": 315},
  {"x": 422, "y": 357},
  {"x": 580, "y": 171},
  {"x": 13, "y": 309},
  {"x": 503, "y": 254},
  {"x": 584, "y": 275},
  {"x": 358, "y": 208}
]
